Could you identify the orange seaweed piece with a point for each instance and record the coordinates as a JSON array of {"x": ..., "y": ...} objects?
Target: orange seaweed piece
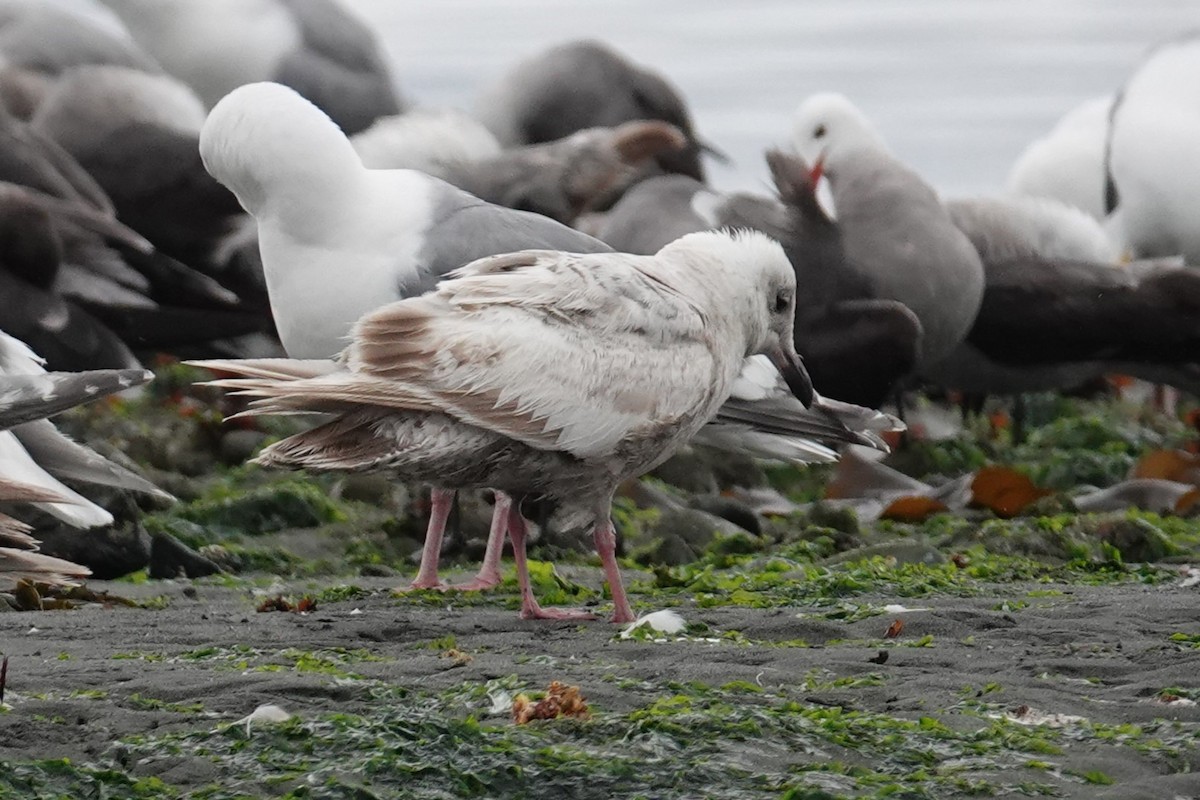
[
  {"x": 895, "y": 629},
  {"x": 913, "y": 509},
  {"x": 1187, "y": 501},
  {"x": 1004, "y": 491},
  {"x": 1171, "y": 465}
]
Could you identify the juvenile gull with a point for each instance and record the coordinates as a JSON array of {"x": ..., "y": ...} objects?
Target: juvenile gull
[
  {"x": 338, "y": 240},
  {"x": 894, "y": 227},
  {"x": 548, "y": 375},
  {"x": 855, "y": 344}
]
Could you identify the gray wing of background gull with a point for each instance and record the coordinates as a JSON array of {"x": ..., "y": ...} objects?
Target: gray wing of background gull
[
  {"x": 567, "y": 177},
  {"x": 24, "y": 398},
  {"x": 68, "y": 460},
  {"x": 896, "y": 230}
]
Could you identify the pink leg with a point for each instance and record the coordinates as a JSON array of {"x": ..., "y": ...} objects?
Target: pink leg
[
  {"x": 440, "y": 501},
  {"x": 529, "y": 604},
  {"x": 606, "y": 546},
  {"x": 489, "y": 573}
]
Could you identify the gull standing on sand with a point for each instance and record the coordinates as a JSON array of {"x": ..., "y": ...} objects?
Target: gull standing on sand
[
  {"x": 551, "y": 376},
  {"x": 895, "y": 230},
  {"x": 339, "y": 240}
]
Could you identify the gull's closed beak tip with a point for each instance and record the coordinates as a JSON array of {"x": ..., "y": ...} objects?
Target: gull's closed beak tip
[{"x": 791, "y": 367}]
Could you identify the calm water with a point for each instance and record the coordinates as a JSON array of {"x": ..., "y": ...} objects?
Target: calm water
[{"x": 957, "y": 87}]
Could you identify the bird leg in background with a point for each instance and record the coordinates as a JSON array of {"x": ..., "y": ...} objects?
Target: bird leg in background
[
  {"x": 529, "y": 605},
  {"x": 489, "y": 573},
  {"x": 606, "y": 545},
  {"x": 440, "y": 502}
]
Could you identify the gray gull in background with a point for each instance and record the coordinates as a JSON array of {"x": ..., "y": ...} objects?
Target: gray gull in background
[
  {"x": 339, "y": 240},
  {"x": 1154, "y": 155},
  {"x": 1067, "y": 164},
  {"x": 1059, "y": 310},
  {"x": 137, "y": 135},
  {"x": 551, "y": 376},
  {"x": 34, "y": 453},
  {"x": 318, "y": 47},
  {"x": 895, "y": 230},
  {"x": 37, "y": 37},
  {"x": 580, "y": 85}
]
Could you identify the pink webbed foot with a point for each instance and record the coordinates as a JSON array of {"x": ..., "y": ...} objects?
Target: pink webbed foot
[
  {"x": 568, "y": 614},
  {"x": 479, "y": 583},
  {"x": 420, "y": 584}
]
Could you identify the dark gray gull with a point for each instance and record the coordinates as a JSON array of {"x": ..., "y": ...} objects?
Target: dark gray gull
[
  {"x": 857, "y": 346},
  {"x": 1067, "y": 164},
  {"x": 893, "y": 225},
  {"x": 1153, "y": 152},
  {"x": 339, "y": 240},
  {"x": 580, "y": 85},
  {"x": 548, "y": 375},
  {"x": 318, "y": 47},
  {"x": 561, "y": 179},
  {"x": 1059, "y": 310},
  {"x": 137, "y": 135}
]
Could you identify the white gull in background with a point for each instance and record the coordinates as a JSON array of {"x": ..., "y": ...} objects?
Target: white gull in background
[
  {"x": 894, "y": 227},
  {"x": 1154, "y": 154},
  {"x": 339, "y": 240},
  {"x": 1067, "y": 164},
  {"x": 318, "y": 47},
  {"x": 552, "y": 376}
]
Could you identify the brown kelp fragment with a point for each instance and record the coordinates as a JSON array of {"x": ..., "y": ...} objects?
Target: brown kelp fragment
[
  {"x": 912, "y": 509},
  {"x": 560, "y": 701},
  {"x": 1004, "y": 491},
  {"x": 895, "y": 629}
]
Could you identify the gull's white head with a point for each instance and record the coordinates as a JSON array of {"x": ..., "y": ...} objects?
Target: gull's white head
[
  {"x": 828, "y": 124},
  {"x": 745, "y": 284},
  {"x": 263, "y": 138}
]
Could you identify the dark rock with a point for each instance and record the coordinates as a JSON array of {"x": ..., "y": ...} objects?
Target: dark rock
[
  {"x": 366, "y": 487},
  {"x": 839, "y": 518},
  {"x": 729, "y": 509},
  {"x": 904, "y": 552},
  {"x": 733, "y": 469},
  {"x": 171, "y": 558},
  {"x": 1136, "y": 539},
  {"x": 689, "y": 470},
  {"x": 377, "y": 571},
  {"x": 239, "y": 444},
  {"x": 679, "y": 536},
  {"x": 108, "y": 552}
]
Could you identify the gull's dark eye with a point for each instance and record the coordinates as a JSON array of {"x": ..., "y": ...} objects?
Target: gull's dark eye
[
  {"x": 819, "y": 131},
  {"x": 783, "y": 299}
]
